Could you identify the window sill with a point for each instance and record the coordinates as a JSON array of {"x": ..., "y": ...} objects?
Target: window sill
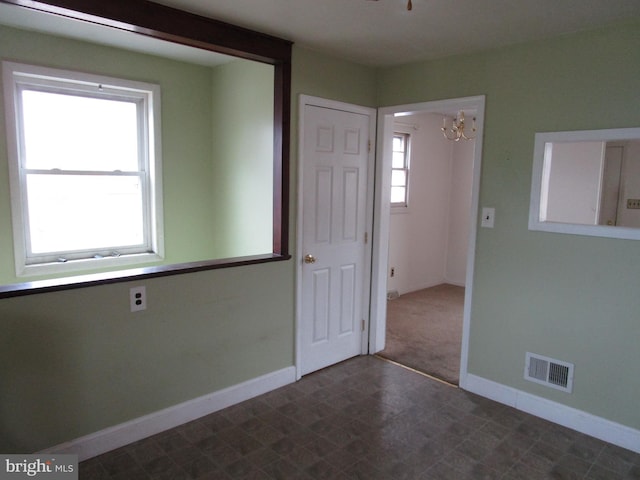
[
  {"x": 66, "y": 268},
  {"x": 92, "y": 280}
]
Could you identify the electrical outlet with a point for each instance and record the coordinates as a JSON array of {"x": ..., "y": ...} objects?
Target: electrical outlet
[
  {"x": 633, "y": 203},
  {"x": 138, "y": 298},
  {"x": 392, "y": 273},
  {"x": 488, "y": 217}
]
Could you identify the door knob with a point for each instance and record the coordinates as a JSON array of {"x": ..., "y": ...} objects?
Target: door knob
[{"x": 309, "y": 259}]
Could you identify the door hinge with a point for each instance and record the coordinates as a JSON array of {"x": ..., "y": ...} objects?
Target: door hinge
[
  {"x": 369, "y": 146},
  {"x": 366, "y": 237},
  {"x": 363, "y": 324}
]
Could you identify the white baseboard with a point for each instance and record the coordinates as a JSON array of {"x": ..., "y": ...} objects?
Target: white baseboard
[
  {"x": 569, "y": 417},
  {"x": 120, "y": 435},
  {"x": 423, "y": 286},
  {"x": 419, "y": 286},
  {"x": 454, "y": 283}
]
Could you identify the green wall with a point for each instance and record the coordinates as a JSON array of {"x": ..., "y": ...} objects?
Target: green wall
[
  {"x": 569, "y": 297},
  {"x": 323, "y": 76},
  {"x": 211, "y": 118},
  {"x": 242, "y": 137},
  {"x": 75, "y": 362}
]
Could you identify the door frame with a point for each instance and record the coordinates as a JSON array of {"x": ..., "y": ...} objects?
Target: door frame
[
  {"x": 304, "y": 101},
  {"x": 382, "y": 211}
]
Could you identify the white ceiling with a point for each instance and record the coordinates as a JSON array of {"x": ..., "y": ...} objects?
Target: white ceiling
[{"x": 384, "y": 33}]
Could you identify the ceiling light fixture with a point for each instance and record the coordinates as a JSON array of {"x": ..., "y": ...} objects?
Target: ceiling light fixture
[{"x": 456, "y": 132}]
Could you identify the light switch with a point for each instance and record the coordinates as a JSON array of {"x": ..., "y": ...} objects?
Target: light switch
[{"x": 488, "y": 217}]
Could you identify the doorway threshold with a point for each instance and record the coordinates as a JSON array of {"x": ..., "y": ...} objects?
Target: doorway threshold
[{"x": 444, "y": 382}]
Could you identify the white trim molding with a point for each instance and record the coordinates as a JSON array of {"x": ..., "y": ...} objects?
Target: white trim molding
[
  {"x": 125, "y": 433},
  {"x": 598, "y": 427},
  {"x": 304, "y": 101},
  {"x": 386, "y": 119},
  {"x": 540, "y": 161},
  {"x": 33, "y": 257}
]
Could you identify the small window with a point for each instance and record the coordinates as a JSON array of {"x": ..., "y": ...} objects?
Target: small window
[
  {"x": 400, "y": 170},
  {"x": 85, "y": 169}
]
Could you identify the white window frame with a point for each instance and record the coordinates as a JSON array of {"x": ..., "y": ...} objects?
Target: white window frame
[
  {"x": 18, "y": 77},
  {"x": 403, "y": 207}
]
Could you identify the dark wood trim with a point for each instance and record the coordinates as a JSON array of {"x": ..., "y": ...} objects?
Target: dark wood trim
[
  {"x": 167, "y": 23},
  {"x": 282, "y": 115},
  {"x": 93, "y": 280}
]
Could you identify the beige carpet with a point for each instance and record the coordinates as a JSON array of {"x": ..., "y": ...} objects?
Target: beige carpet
[{"x": 424, "y": 331}]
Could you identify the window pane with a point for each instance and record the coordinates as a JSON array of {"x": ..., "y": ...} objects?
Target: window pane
[
  {"x": 69, "y": 212},
  {"x": 399, "y": 178},
  {"x": 398, "y": 195},
  {"x": 79, "y": 133},
  {"x": 398, "y": 160},
  {"x": 398, "y": 143}
]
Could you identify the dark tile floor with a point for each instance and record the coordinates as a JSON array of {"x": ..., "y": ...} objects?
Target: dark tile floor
[{"x": 366, "y": 419}]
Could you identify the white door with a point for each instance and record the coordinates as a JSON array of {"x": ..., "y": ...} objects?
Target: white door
[{"x": 335, "y": 152}]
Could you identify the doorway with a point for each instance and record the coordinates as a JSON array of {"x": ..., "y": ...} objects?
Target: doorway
[
  {"x": 428, "y": 240},
  {"x": 387, "y": 118}
]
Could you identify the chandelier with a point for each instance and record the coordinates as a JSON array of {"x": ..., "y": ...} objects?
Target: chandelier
[{"x": 456, "y": 131}]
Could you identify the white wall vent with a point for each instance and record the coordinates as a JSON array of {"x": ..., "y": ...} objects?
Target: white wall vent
[{"x": 549, "y": 372}]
